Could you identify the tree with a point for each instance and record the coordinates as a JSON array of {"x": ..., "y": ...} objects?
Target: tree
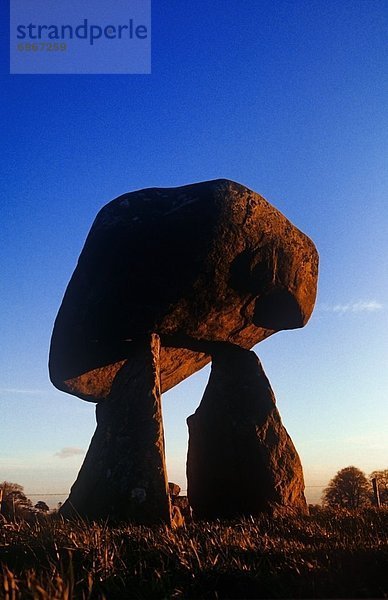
[
  {"x": 42, "y": 506},
  {"x": 348, "y": 489},
  {"x": 13, "y": 501},
  {"x": 382, "y": 481}
]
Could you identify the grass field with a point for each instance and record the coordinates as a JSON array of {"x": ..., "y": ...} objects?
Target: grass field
[{"x": 326, "y": 555}]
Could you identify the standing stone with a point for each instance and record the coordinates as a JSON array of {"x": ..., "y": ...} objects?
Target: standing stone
[
  {"x": 241, "y": 460},
  {"x": 123, "y": 476}
]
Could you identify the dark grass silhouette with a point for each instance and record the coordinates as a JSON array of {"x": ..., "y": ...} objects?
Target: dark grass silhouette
[{"x": 330, "y": 554}]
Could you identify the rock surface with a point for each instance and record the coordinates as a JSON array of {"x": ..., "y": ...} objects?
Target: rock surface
[
  {"x": 241, "y": 461},
  {"x": 123, "y": 476},
  {"x": 173, "y": 489},
  {"x": 200, "y": 264},
  {"x": 182, "y": 503}
]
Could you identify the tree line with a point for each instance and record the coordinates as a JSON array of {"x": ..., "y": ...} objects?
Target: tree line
[{"x": 350, "y": 488}]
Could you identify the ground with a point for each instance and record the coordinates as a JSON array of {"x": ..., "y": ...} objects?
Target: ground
[{"x": 325, "y": 555}]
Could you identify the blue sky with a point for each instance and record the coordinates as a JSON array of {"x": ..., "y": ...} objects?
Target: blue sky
[{"x": 288, "y": 98}]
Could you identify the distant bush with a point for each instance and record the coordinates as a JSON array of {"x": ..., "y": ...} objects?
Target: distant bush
[{"x": 42, "y": 506}]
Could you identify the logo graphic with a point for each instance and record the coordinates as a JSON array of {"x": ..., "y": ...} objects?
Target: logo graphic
[{"x": 88, "y": 37}]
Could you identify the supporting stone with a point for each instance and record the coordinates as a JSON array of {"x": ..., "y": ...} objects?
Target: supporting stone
[
  {"x": 241, "y": 461},
  {"x": 123, "y": 476}
]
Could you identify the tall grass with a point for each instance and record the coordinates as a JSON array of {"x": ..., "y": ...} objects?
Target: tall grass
[{"x": 327, "y": 555}]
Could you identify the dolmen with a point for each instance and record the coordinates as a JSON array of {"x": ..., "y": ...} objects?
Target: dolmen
[{"x": 168, "y": 280}]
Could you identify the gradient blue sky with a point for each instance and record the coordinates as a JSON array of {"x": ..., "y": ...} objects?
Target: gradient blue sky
[{"x": 288, "y": 98}]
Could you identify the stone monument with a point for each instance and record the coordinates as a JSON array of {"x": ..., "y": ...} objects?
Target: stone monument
[{"x": 168, "y": 280}]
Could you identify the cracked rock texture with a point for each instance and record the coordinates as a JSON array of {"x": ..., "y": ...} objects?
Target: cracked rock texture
[
  {"x": 241, "y": 460},
  {"x": 198, "y": 265}
]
